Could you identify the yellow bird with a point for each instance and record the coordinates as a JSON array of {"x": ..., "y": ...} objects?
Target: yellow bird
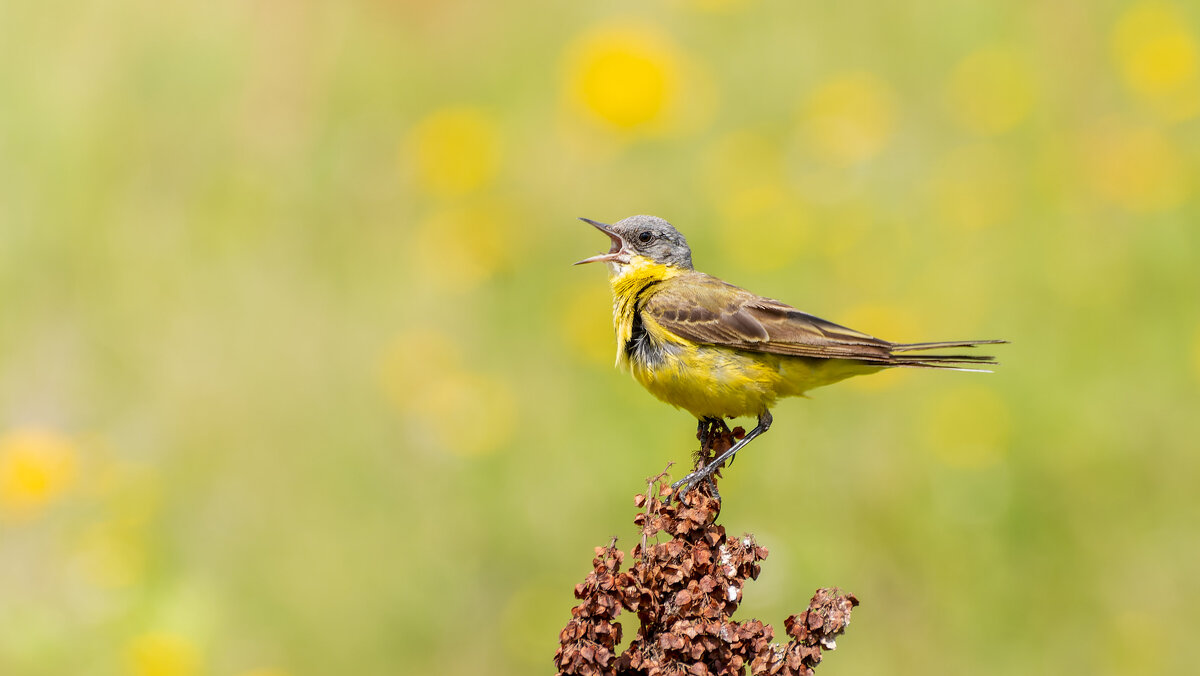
[{"x": 719, "y": 351}]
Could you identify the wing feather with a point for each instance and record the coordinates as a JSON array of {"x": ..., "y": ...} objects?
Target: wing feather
[{"x": 704, "y": 309}]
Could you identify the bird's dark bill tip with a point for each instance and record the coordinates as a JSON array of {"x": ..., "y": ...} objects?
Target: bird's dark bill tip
[
  {"x": 598, "y": 224},
  {"x": 618, "y": 244}
]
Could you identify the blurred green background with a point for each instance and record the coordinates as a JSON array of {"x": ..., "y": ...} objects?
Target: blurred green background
[{"x": 296, "y": 377}]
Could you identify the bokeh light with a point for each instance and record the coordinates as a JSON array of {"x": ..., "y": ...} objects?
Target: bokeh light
[
  {"x": 1135, "y": 166},
  {"x": 163, "y": 654},
  {"x": 455, "y": 150},
  {"x": 991, "y": 90},
  {"x": 36, "y": 467},
  {"x": 627, "y": 76},
  {"x": 849, "y": 118},
  {"x": 458, "y": 248},
  {"x": 1156, "y": 49}
]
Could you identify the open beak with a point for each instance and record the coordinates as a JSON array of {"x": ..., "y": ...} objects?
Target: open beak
[{"x": 616, "y": 254}]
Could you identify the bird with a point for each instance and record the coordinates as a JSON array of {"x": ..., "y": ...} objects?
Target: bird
[{"x": 719, "y": 351}]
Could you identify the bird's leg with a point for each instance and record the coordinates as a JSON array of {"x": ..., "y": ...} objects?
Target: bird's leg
[
  {"x": 702, "y": 426},
  {"x": 706, "y": 432},
  {"x": 702, "y": 474}
]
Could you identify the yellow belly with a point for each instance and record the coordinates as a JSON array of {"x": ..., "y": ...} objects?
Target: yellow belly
[{"x": 719, "y": 382}]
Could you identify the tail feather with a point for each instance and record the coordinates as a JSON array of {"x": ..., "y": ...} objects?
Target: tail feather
[
  {"x": 916, "y": 347},
  {"x": 944, "y": 367},
  {"x": 942, "y": 361},
  {"x": 943, "y": 358}
]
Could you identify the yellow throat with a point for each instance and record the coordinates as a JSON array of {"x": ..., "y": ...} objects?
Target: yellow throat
[{"x": 630, "y": 284}]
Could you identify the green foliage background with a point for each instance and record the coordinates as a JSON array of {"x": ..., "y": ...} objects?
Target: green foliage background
[{"x": 296, "y": 376}]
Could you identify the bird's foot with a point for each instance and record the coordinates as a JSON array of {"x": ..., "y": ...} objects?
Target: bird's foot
[{"x": 703, "y": 476}]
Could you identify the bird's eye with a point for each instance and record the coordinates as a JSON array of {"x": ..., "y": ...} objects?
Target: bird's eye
[{"x": 645, "y": 236}]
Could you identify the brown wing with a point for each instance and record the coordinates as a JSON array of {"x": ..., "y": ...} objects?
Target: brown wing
[{"x": 704, "y": 309}]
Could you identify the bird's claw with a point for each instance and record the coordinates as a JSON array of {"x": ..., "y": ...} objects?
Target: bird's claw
[{"x": 680, "y": 488}]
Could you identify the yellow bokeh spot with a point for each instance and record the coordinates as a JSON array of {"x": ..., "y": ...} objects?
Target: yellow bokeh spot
[
  {"x": 1156, "y": 52},
  {"x": 1135, "y": 167},
  {"x": 587, "y": 324},
  {"x": 762, "y": 227},
  {"x": 469, "y": 413},
  {"x": 967, "y": 427},
  {"x": 458, "y": 248},
  {"x": 36, "y": 467},
  {"x": 162, "y": 654},
  {"x": 974, "y": 187},
  {"x": 1154, "y": 47},
  {"x": 455, "y": 150},
  {"x": 849, "y": 119},
  {"x": 624, "y": 76},
  {"x": 990, "y": 91}
]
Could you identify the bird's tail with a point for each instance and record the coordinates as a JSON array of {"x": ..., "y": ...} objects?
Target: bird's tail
[{"x": 942, "y": 361}]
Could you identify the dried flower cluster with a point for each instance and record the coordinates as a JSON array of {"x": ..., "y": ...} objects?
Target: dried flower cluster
[
  {"x": 814, "y": 630},
  {"x": 684, "y": 591},
  {"x": 589, "y": 641}
]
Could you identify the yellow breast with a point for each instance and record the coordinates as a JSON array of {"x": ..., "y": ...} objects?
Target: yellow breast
[{"x": 710, "y": 381}]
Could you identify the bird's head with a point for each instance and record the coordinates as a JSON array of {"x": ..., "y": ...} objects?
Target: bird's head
[{"x": 648, "y": 237}]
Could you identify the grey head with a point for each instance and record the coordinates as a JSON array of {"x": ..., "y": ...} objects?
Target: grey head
[{"x": 648, "y": 236}]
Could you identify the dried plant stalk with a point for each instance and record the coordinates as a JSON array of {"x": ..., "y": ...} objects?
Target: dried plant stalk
[{"x": 684, "y": 591}]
